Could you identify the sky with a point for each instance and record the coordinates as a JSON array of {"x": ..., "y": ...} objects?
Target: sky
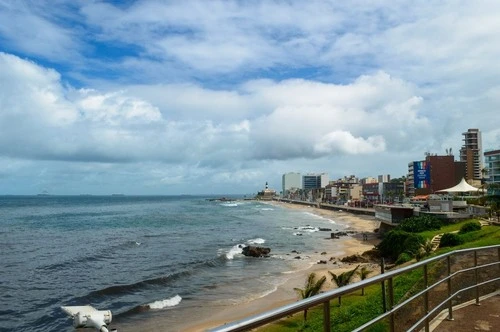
[{"x": 220, "y": 97}]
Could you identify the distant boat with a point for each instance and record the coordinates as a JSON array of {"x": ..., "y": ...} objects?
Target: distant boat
[{"x": 44, "y": 193}]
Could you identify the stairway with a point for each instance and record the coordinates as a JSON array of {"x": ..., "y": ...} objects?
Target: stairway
[{"x": 436, "y": 240}]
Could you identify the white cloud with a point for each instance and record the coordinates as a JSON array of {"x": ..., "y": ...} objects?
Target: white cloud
[
  {"x": 201, "y": 90},
  {"x": 345, "y": 142}
]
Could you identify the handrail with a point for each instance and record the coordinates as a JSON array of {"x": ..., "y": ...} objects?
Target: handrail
[{"x": 325, "y": 298}]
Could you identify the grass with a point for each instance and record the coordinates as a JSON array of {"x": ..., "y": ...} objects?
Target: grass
[
  {"x": 448, "y": 228},
  {"x": 356, "y": 310}
]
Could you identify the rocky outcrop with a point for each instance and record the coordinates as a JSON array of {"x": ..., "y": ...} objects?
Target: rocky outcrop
[{"x": 256, "y": 251}]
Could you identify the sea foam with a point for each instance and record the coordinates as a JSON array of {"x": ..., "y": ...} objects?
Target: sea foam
[
  {"x": 171, "y": 302},
  {"x": 256, "y": 241},
  {"x": 237, "y": 249}
]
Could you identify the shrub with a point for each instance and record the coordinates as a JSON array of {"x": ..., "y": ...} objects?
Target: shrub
[
  {"x": 397, "y": 242},
  {"x": 419, "y": 224},
  {"x": 403, "y": 258},
  {"x": 450, "y": 240},
  {"x": 470, "y": 227}
]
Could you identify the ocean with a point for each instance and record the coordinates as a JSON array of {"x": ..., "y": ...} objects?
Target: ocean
[{"x": 143, "y": 256}]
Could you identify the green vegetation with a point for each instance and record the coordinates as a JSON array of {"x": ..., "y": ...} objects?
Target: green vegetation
[
  {"x": 396, "y": 242},
  {"x": 447, "y": 228},
  {"x": 343, "y": 279},
  {"x": 419, "y": 224},
  {"x": 470, "y": 227},
  {"x": 363, "y": 274},
  {"x": 450, "y": 240},
  {"x": 311, "y": 288}
]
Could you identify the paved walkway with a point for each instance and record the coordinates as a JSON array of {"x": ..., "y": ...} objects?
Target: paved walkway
[{"x": 485, "y": 317}]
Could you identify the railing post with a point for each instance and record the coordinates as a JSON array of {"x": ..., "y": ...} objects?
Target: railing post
[
  {"x": 476, "y": 277},
  {"x": 450, "y": 305},
  {"x": 326, "y": 316},
  {"x": 391, "y": 303},
  {"x": 499, "y": 257},
  {"x": 426, "y": 298},
  {"x": 382, "y": 271}
]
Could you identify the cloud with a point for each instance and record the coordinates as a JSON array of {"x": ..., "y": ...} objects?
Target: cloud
[
  {"x": 200, "y": 90},
  {"x": 345, "y": 142},
  {"x": 261, "y": 119}
]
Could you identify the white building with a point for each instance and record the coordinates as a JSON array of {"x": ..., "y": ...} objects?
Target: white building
[{"x": 290, "y": 181}]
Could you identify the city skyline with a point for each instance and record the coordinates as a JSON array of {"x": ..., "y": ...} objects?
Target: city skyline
[{"x": 218, "y": 97}]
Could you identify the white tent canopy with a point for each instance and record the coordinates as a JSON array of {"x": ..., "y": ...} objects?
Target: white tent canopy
[{"x": 463, "y": 186}]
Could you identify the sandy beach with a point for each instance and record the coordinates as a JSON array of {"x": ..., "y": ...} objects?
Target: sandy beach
[{"x": 285, "y": 294}]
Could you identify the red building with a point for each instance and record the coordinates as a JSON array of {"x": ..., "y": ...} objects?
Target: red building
[{"x": 443, "y": 172}]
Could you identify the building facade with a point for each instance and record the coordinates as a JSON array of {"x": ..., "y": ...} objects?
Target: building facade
[
  {"x": 433, "y": 174},
  {"x": 314, "y": 181},
  {"x": 492, "y": 163},
  {"x": 471, "y": 153},
  {"x": 384, "y": 178},
  {"x": 290, "y": 181}
]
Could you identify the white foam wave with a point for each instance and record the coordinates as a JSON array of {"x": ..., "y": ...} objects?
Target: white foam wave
[
  {"x": 309, "y": 229},
  {"x": 256, "y": 241},
  {"x": 171, "y": 302},
  {"x": 235, "y": 250},
  {"x": 229, "y": 204},
  {"x": 267, "y": 209}
]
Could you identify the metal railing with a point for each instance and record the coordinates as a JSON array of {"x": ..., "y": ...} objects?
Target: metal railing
[{"x": 386, "y": 279}]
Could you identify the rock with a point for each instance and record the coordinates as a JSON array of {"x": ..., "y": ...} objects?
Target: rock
[
  {"x": 325, "y": 229},
  {"x": 354, "y": 259},
  {"x": 321, "y": 262},
  {"x": 256, "y": 251},
  {"x": 323, "y": 253},
  {"x": 297, "y": 257},
  {"x": 336, "y": 235}
]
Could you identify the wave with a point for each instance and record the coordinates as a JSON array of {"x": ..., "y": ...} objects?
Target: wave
[
  {"x": 309, "y": 229},
  {"x": 101, "y": 255},
  {"x": 229, "y": 204},
  {"x": 235, "y": 250},
  {"x": 256, "y": 241},
  {"x": 171, "y": 302}
]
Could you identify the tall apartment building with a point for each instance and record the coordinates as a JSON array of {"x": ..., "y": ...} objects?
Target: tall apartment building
[
  {"x": 433, "y": 174},
  {"x": 384, "y": 178},
  {"x": 471, "y": 153},
  {"x": 290, "y": 181},
  {"x": 492, "y": 163}
]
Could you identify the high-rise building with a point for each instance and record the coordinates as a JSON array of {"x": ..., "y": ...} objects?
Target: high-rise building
[
  {"x": 471, "y": 153},
  {"x": 384, "y": 178},
  {"x": 492, "y": 163},
  {"x": 291, "y": 181}
]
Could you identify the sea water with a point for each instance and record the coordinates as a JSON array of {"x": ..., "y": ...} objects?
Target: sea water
[{"x": 143, "y": 256}]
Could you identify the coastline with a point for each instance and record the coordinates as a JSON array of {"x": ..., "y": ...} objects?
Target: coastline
[{"x": 284, "y": 294}]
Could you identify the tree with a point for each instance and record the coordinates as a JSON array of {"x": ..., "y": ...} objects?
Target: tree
[
  {"x": 363, "y": 274},
  {"x": 343, "y": 279},
  {"x": 311, "y": 288}
]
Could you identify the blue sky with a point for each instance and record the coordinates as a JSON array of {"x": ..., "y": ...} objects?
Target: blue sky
[{"x": 196, "y": 97}]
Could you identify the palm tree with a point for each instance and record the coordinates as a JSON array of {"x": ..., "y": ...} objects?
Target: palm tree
[
  {"x": 311, "y": 288},
  {"x": 425, "y": 249},
  {"x": 363, "y": 274},
  {"x": 343, "y": 279}
]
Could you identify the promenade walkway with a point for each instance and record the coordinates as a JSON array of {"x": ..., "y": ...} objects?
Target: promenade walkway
[{"x": 471, "y": 317}]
